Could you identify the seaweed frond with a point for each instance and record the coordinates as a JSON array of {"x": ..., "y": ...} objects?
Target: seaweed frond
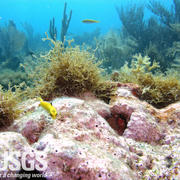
[
  {"x": 70, "y": 71},
  {"x": 159, "y": 89},
  {"x": 143, "y": 64},
  {"x": 8, "y": 104}
]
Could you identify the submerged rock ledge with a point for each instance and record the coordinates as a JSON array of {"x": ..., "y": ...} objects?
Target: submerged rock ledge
[{"x": 127, "y": 139}]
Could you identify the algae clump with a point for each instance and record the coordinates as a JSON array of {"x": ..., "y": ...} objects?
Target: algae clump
[
  {"x": 159, "y": 89},
  {"x": 70, "y": 71},
  {"x": 9, "y": 100}
]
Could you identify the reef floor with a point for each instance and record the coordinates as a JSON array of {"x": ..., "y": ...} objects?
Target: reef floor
[{"x": 127, "y": 139}]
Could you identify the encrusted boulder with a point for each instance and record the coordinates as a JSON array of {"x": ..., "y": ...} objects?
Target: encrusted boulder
[
  {"x": 89, "y": 139},
  {"x": 134, "y": 117}
]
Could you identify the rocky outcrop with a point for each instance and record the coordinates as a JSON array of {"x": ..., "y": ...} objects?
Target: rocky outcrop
[{"x": 89, "y": 139}]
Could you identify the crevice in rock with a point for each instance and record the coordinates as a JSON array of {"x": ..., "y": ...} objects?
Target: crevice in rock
[
  {"x": 118, "y": 123},
  {"x": 120, "y": 118}
]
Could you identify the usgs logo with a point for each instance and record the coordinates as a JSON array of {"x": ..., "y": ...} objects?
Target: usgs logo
[{"x": 28, "y": 161}]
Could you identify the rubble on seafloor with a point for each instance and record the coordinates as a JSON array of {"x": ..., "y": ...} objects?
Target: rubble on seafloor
[{"x": 127, "y": 139}]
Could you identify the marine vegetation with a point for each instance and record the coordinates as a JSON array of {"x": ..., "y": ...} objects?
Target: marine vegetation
[
  {"x": 14, "y": 78},
  {"x": 158, "y": 89},
  {"x": 64, "y": 27},
  {"x": 34, "y": 43},
  {"x": 156, "y": 34},
  {"x": 114, "y": 49},
  {"x": 70, "y": 71},
  {"x": 8, "y": 105},
  {"x": 52, "y": 29},
  {"x": 12, "y": 42},
  {"x": 65, "y": 22},
  {"x": 15, "y": 48}
]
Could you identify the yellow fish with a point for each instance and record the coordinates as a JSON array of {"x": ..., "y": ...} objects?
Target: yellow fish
[
  {"x": 90, "y": 21},
  {"x": 49, "y": 107}
]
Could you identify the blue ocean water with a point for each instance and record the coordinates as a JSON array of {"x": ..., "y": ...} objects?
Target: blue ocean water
[
  {"x": 39, "y": 12},
  {"x": 120, "y": 30},
  {"x": 145, "y": 26}
]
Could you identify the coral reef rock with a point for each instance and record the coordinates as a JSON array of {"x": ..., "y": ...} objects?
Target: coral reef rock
[{"x": 89, "y": 139}]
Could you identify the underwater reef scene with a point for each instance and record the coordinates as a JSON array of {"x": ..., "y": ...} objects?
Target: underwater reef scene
[{"x": 86, "y": 94}]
